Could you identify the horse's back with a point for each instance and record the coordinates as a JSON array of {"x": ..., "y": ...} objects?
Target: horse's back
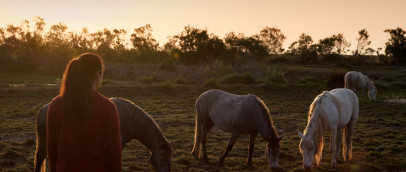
[
  {"x": 226, "y": 110},
  {"x": 349, "y": 104}
]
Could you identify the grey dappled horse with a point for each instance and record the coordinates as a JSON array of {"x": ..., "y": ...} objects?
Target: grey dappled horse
[
  {"x": 357, "y": 81},
  {"x": 235, "y": 114},
  {"x": 134, "y": 124}
]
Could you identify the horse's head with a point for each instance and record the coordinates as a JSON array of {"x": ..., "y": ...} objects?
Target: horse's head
[
  {"x": 307, "y": 149},
  {"x": 161, "y": 159},
  {"x": 372, "y": 93},
  {"x": 272, "y": 150}
]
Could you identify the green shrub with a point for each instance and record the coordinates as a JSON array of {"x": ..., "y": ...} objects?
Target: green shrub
[
  {"x": 274, "y": 75},
  {"x": 245, "y": 78},
  {"x": 147, "y": 79},
  {"x": 211, "y": 83},
  {"x": 180, "y": 80}
]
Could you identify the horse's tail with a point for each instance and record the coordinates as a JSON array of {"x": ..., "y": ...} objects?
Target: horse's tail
[
  {"x": 40, "y": 149},
  {"x": 347, "y": 80},
  {"x": 196, "y": 148}
]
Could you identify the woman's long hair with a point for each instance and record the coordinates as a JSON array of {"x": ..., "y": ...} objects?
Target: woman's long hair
[{"x": 76, "y": 89}]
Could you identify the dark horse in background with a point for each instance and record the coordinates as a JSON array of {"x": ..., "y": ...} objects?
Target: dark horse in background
[{"x": 134, "y": 124}]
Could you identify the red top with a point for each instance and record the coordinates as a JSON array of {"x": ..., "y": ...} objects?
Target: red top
[{"x": 91, "y": 145}]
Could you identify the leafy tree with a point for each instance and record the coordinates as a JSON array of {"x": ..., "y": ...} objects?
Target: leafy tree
[
  {"x": 363, "y": 43},
  {"x": 242, "y": 45},
  {"x": 191, "y": 39},
  {"x": 304, "y": 48},
  {"x": 144, "y": 44},
  {"x": 396, "y": 45},
  {"x": 197, "y": 45},
  {"x": 272, "y": 38},
  {"x": 336, "y": 44}
]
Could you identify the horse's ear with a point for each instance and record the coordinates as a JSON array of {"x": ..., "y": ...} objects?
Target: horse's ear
[{"x": 300, "y": 134}]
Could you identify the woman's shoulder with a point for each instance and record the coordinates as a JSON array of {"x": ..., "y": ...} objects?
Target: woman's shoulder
[
  {"x": 57, "y": 99},
  {"x": 103, "y": 101}
]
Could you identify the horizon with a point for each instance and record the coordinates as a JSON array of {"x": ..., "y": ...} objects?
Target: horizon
[{"x": 319, "y": 19}]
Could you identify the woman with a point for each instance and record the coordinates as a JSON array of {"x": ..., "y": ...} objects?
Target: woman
[{"x": 83, "y": 130}]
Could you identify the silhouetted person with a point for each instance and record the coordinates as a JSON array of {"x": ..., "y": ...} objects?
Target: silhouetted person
[{"x": 83, "y": 129}]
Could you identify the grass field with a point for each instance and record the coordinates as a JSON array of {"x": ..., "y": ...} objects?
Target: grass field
[{"x": 379, "y": 141}]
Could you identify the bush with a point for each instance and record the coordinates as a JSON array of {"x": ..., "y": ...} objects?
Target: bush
[
  {"x": 211, "y": 83},
  {"x": 245, "y": 78},
  {"x": 147, "y": 79},
  {"x": 274, "y": 75},
  {"x": 180, "y": 80}
]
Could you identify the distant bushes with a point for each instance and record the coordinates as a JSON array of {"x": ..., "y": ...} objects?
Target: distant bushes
[{"x": 245, "y": 78}]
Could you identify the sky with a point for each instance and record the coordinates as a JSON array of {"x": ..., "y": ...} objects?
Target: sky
[{"x": 317, "y": 18}]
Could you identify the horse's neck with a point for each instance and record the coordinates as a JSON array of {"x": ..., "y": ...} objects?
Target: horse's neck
[
  {"x": 266, "y": 130},
  {"x": 154, "y": 140},
  {"x": 368, "y": 83},
  {"x": 150, "y": 136}
]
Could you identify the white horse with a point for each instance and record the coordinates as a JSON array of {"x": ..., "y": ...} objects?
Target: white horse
[
  {"x": 358, "y": 81},
  {"x": 330, "y": 111}
]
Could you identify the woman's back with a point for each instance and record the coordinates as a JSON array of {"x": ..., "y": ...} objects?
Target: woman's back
[{"x": 83, "y": 129}]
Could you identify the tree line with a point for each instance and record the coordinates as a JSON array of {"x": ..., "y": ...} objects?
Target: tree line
[{"x": 26, "y": 49}]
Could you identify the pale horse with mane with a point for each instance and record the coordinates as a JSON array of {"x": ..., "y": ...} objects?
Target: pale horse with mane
[
  {"x": 357, "y": 81},
  {"x": 330, "y": 111}
]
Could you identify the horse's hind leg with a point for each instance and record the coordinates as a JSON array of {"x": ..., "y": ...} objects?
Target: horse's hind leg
[
  {"x": 251, "y": 149},
  {"x": 333, "y": 136},
  {"x": 230, "y": 145},
  {"x": 205, "y": 128},
  {"x": 347, "y": 149},
  {"x": 338, "y": 144}
]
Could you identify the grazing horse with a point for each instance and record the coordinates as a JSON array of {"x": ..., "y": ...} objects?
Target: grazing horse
[
  {"x": 134, "y": 124},
  {"x": 235, "y": 114},
  {"x": 358, "y": 81},
  {"x": 330, "y": 111}
]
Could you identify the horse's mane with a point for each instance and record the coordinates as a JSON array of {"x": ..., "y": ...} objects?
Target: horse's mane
[
  {"x": 267, "y": 115},
  {"x": 315, "y": 125},
  {"x": 369, "y": 83}
]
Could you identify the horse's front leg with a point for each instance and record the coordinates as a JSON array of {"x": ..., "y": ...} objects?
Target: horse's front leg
[
  {"x": 230, "y": 145},
  {"x": 333, "y": 137},
  {"x": 251, "y": 149}
]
